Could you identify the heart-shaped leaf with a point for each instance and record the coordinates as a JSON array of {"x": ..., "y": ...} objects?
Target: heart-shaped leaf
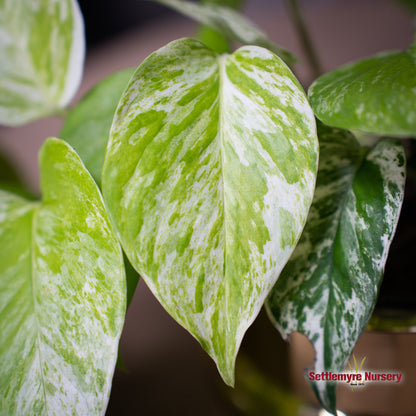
[
  {"x": 329, "y": 287},
  {"x": 228, "y": 22},
  {"x": 375, "y": 95},
  {"x": 208, "y": 176},
  {"x": 41, "y": 58},
  {"x": 62, "y": 294},
  {"x": 87, "y": 127}
]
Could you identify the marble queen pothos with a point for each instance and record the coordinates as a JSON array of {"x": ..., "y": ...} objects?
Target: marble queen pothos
[{"x": 209, "y": 174}]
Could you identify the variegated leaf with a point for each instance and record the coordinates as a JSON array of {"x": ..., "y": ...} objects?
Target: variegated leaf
[
  {"x": 62, "y": 294},
  {"x": 87, "y": 127},
  {"x": 375, "y": 95},
  {"x": 329, "y": 287},
  {"x": 41, "y": 57},
  {"x": 228, "y": 22},
  {"x": 209, "y": 175}
]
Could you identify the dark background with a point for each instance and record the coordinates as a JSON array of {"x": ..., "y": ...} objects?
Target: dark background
[{"x": 105, "y": 19}]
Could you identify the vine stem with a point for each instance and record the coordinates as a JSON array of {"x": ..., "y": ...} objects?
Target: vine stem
[{"x": 296, "y": 16}]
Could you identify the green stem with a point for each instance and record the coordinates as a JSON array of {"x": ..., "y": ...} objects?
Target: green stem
[{"x": 304, "y": 36}]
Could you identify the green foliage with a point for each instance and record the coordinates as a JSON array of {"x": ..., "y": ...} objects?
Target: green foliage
[
  {"x": 213, "y": 40},
  {"x": 62, "y": 293},
  {"x": 229, "y": 23},
  {"x": 354, "y": 213},
  {"x": 376, "y": 95},
  {"x": 41, "y": 58},
  {"x": 208, "y": 172},
  {"x": 87, "y": 126},
  {"x": 210, "y": 37},
  {"x": 209, "y": 184}
]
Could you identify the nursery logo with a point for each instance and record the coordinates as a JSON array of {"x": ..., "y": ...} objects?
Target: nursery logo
[
  {"x": 356, "y": 376},
  {"x": 356, "y": 370}
]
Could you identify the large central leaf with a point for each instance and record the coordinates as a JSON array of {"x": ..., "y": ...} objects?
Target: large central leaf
[{"x": 209, "y": 174}]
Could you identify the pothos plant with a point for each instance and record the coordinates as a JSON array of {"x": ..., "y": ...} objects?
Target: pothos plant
[{"x": 216, "y": 181}]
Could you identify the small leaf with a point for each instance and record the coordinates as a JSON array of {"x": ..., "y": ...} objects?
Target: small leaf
[
  {"x": 208, "y": 176},
  {"x": 329, "y": 287},
  {"x": 62, "y": 294},
  {"x": 213, "y": 39},
  {"x": 230, "y": 23},
  {"x": 210, "y": 37},
  {"x": 87, "y": 126},
  {"x": 375, "y": 95},
  {"x": 41, "y": 58}
]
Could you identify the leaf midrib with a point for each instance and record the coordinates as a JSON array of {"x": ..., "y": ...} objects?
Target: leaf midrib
[
  {"x": 221, "y": 65},
  {"x": 330, "y": 256},
  {"x": 35, "y": 308},
  {"x": 344, "y": 199}
]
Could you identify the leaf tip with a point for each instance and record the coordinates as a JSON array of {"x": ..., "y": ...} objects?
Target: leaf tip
[
  {"x": 327, "y": 396},
  {"x": 226, "y": 367},
  {"x": 227, "y": 373}
]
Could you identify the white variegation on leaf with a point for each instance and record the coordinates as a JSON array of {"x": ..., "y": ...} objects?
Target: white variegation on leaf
[
  {"x": 62, "y": 294},
  {"x": 228, "y": 22},
  {"x": 208, "y": 176},
  {"x": 375, "y": 95},
  {"x": 42, "y": 50},
  {"x": 329, "y": 287}
]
